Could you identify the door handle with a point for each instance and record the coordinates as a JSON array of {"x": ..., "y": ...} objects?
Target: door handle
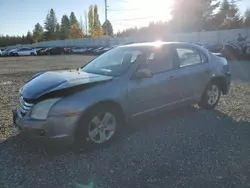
[
  {"x": 171, "y": 77},
  {"x": 207, "y": 70}
]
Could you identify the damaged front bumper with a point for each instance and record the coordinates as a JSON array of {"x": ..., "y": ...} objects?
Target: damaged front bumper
[{"x": 58, "y": 130}]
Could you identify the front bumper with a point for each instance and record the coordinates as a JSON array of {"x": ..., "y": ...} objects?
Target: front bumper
[{"x": 54, "y": 130}]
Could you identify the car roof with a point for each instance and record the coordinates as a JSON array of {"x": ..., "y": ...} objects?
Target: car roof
[
  {"x": 156, "y": 44},
  {"x": 144, "y": 44}
]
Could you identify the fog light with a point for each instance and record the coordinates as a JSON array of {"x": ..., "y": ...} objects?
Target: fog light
[{"x": 42, "y": 132}]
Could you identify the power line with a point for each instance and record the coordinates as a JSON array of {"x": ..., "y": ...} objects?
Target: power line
[
  {"x": 126, "y": 25},
  {"x": 133, "y": 19},
  {"x": 123, "y": 10}
]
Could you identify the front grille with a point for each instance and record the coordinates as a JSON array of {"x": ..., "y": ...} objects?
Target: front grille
[{"x": 24, "y": 107}]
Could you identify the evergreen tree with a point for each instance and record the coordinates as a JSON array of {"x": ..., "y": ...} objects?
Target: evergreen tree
[
  {"x": 57, "y": 32},
  {"x": 193, "y": 15},
  {"x": 50, "y": 26},
  {"x": 37, "y": 33},
  {"x": 107, "y": 28},
  {"x": 29, "y": 37},
  {"x": 236, "y": 18},
  {"x": 247, "y": 18},
  {"x": 73, "y": 20},
  {"x": 65, "y": 27},
  {"x": 228, "y": 16}
]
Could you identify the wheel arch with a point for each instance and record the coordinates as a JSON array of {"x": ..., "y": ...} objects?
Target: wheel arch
[
  {"x": 222, "y": 83},
  {"x": 109, "y": 103}
]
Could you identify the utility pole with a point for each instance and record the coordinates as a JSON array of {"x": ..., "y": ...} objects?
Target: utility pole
[
  {"x": 106, "y": 10},
  {"x": 105, "y": 23}
]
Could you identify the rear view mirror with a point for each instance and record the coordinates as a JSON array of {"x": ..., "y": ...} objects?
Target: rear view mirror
[{"x": 143, "y": 73}]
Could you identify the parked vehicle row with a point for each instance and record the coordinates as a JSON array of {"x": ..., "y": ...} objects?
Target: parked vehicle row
[
  {"x": 54, "y": 51},
  {"x": 90, "y": 50},
  {"x": 230, "y": 50}
]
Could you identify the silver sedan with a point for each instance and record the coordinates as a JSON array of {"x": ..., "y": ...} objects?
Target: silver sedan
[{"x": 88, "y": 106}]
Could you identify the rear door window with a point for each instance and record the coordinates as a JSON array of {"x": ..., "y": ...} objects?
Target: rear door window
[{"x": 189, "y": 57}]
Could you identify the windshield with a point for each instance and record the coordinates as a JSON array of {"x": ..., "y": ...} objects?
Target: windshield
[{"x": 113, "y": 62}]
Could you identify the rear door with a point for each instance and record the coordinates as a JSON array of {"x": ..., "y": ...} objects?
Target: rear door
[
  {"x": 27, "y": 51},
  {"x": 21, "y": 51},
  {"x": 194, "y": 71}
]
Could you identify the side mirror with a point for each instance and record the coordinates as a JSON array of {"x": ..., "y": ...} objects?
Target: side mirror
[{"x": 143, "y": 73}]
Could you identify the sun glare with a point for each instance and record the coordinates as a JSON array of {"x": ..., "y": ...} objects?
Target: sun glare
[
  {"x": 157, "y": 9},
  {"x": 139, "y": 13}
]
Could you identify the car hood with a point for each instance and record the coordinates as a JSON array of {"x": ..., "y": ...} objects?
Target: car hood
[{"x": 57, "y": 82}]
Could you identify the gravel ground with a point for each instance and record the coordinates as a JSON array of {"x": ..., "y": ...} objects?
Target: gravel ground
[{"x": 188, "y": 147}]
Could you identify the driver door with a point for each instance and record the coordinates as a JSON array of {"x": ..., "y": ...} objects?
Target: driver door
[{"x": 153, "y": 93}]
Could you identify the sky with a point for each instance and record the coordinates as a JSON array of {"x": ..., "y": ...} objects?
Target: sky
[{"x": 19, "y": 16}]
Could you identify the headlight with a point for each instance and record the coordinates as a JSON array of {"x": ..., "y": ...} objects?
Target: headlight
[
  {"x": 226, "y": 69},
  {"x": 41, "y": 109}
]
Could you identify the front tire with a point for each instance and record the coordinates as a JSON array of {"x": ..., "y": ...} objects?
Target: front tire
[
  {"x": 211, "y": 96},
  {"x": 98, "y": 127}
]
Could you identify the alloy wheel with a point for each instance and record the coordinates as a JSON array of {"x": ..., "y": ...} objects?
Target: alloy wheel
[
  {"x": 213, "y": 94},
  {"x": 102, "y": 127}
]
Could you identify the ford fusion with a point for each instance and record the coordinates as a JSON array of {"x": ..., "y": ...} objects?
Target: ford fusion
[{"x": 88, "y": 106}]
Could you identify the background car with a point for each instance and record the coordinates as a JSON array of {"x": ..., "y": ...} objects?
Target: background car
[
  {"x": 24, "y": 52},
  {"x": 78, "y": 50},
  {"x": 97, "y": 49},
  {"x": 5, "y": 52},
  {"x": 89, "y": 50},
  {"x": 39, "y": 51},
  {"x": 53, "y": 51},
  {"x": 101, "y": 51},
  {"x": 11, "y": 51},
  {"x": 67, "y": 50}
]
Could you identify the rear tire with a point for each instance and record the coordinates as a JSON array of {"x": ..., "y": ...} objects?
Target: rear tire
[
  {"x": 32, "y": 54},
  {"x": 211, "y": 95},
  {"x": 98, "y": 127},
  {"x": 15, "y": 54}
]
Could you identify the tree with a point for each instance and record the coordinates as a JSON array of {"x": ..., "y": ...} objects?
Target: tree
[
  {"x": 38, "y": 33},
  {"x": 107, "y": 28},
  {"x": 57, "y": 32},
  {"x": 91, "y": 21},
  {"x": 75, "y": 32},
  {"x": 65, "y": 27},
  {"x": 97, "y": 25},
  {"x": 193, "y": 15},
  {"x": 50, "y": 26},
  {"x": 228, "y": 16},
  {"x": 247, "y": 18},
  {"x": 86, "y": 23},
  {"x": 29, "y": 37},
  {"x": 13, "y": 40},
  {"x": 73, "y": 20},
  {"x": 235, "y": 16}
]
